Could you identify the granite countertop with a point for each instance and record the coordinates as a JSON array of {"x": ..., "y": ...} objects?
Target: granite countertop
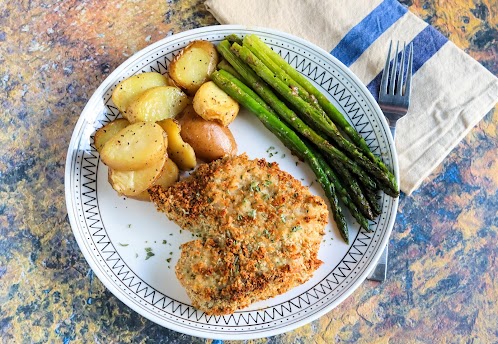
[{"x": 442, "y": 283}]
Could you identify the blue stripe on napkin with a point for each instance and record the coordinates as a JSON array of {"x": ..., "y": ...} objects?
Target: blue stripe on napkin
[
  {"x": 359, "y": 38},
  {"x": 425, "y": 45}
]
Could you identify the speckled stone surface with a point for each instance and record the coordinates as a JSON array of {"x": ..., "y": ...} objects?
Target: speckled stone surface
[{"x": 442, "y": 283}]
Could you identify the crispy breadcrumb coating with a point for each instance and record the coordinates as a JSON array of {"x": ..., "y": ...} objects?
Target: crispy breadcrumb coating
[{"x": 259, "y": 232}]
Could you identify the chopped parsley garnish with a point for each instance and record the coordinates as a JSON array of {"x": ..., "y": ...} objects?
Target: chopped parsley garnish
[
  {"x": 271, "y": 151},
  {"x": 149, "y": 253},
  {"x": 252, "y": 213},
  {"x": 296, "y": 228},
  {"x": 254, "y": 187}
]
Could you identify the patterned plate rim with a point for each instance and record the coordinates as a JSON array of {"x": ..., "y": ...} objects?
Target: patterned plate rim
[{"x": 263, "y": 331}]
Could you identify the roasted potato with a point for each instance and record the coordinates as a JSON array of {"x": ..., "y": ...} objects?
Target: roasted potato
[
  {"x": 135, "y": 147},
  {"x": 179, "y": 151},
  {"x": 171, "y": 82},
  {"x": 133, "y": 183},
  {"x": 210, "y": 140},
  {"x": 105, "y": 133},
  {"x": 129, "y": 89},
  {"x": 213, "y": 104},
  {"x": 168, "y": 176},
  {"x": 193, "y": 65},
  {"x": 156, "y": 104}
]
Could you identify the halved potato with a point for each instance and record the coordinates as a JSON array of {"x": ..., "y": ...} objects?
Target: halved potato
[
  {"x": 133, "y": 183},
  {"x": 168, "y": 176},
  {"x": 129, "y": 89},
  {"x": 210, "y": 140},
  {"x": 181, "y": 152},
  {"x": 135, "y": 147},
  {"x": 213, "y": 104},
  {"x": 156, "y": 104},
  {"x": 105, "y": 133},
  {"x": 171, "y": 82},
  {"x": 193, "y": 65}
]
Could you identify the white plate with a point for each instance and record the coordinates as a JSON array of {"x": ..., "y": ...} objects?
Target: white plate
[{"x": 113, "y": 232}]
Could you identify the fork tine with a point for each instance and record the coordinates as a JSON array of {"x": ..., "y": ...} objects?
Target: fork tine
[
  {"x": 385, "y": 73},
  {"x": 408, "y": 86},
  {"x": 393, "y": 71},
  {"x": 399, "y": 83}
]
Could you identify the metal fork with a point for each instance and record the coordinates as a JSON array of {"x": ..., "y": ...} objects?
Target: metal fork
[
  {"x": 394, "y": 96},
  {"x": 394, "y": 100}
]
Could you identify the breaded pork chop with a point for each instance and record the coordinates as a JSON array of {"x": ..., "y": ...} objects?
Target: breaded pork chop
[{"x": 259, "y": 229}]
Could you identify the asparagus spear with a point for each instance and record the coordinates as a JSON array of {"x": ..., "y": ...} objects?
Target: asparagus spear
[
  {"x": 355, "y": 191},
  {"x": 246, "y": 73},
  {"x": 281, "y": 74},
  {"x": 246, "y": 97},
  {"x": 371, "y": 196},
  {"x": 341, "y": 191},
  {"x": 234, "y": 38},
  {"x": 223, "y": 64},
  {"x": 322, "y": 123},
  {"x": 327, "y": 106},
  {"x": 287, "y": 114}
]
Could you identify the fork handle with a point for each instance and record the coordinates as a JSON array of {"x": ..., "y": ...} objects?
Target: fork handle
[
  {"x": 379, "y": 272},
  {"x": 391, "y": 123}
]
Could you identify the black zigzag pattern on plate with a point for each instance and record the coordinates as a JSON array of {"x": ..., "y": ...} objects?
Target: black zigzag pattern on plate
[
  {"x": 161, "y": 66},
  {"x": 335, "y": 87},
  {"x": 164, "y": 306},
  {"x": 109, "y": 255}
]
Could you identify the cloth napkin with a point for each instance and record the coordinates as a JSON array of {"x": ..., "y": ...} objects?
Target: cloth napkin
[{"x": 451, "y": 92}]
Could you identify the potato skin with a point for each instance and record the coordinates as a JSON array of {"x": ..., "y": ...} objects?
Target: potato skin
[
  {"x": 210, "y": 140},
  {"x": 193, "y": 65},
  {"x": 213, "y": 104}
]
